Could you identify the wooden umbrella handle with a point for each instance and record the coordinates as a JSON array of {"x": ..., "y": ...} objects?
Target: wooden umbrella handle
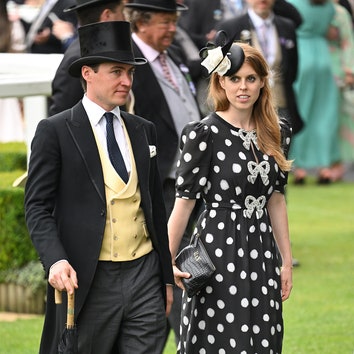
[
  {"x": 70, "y": 320},
  {"x": 70, "y": 315},
  {"x": 58, "y": 297}
]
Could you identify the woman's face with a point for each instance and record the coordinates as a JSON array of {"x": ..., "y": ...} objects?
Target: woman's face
[{"x": 242, "y": 89}]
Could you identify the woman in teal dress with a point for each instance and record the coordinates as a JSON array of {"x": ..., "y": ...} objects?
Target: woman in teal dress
[
  {"x": 341, "y": 46},
  {"x": 316, "y": 146}
]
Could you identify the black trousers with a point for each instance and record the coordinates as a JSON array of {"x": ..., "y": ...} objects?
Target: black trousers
[{"x": 125, "y": 311}]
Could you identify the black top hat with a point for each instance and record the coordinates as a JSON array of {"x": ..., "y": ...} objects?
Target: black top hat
[
  {"x": 105, "y": 42},
  {"x": 86, "y": 3},
  {"x": 235, "y": 53},
  {"x": 157, "y": 5}
]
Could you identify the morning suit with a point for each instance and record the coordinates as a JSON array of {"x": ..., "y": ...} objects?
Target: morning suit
[
  {"x": 152, "y": 105},
  {"x": 289, "y": 56},
  {"x": 74, "y": 211}
]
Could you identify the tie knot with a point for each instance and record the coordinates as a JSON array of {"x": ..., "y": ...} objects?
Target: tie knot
[{"x": 109, "y": 117}]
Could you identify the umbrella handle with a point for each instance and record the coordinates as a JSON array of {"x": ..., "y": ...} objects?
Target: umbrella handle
[
  {"x": 70, "y": 321},
  {"x": 58, "y": 297}
]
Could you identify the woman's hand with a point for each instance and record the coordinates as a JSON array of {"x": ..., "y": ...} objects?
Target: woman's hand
[
  {"x": 286, "y": 282},
  {"x": 179, "y": 275}
]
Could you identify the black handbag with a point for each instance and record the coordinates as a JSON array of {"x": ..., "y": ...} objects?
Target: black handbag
[{"x": 195, "y": 260}]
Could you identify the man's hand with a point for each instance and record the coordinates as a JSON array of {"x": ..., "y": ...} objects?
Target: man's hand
[{"x": 62, "y": 276}]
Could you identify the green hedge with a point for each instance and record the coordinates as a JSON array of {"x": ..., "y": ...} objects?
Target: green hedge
[
  {"x": 16, "y": 247},
  {"x": 13, "y": 156}
]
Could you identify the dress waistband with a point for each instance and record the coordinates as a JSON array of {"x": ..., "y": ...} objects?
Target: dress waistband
[{"x": 250, "y": 205}]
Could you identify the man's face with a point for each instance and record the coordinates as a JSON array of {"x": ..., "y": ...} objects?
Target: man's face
[
  {"x": 159, "y": 31},
  {"x": 108, "y": 84},
  {"x": 261, "y": 7}
]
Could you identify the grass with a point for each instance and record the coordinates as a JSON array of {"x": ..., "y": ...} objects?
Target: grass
[{"x": 319, "y": 316}]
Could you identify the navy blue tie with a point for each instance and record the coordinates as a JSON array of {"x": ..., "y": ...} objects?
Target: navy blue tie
[{"x": 113, "y": 149}]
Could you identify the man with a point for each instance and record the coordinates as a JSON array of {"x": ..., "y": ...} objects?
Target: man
[
  {"x": 164, "y": 93},
  {"x": 67, "y": 90},
  {"x": 275, "y": 36},
  {"x": 40, "y": 37},
  {"x": 101, "y": 230}
]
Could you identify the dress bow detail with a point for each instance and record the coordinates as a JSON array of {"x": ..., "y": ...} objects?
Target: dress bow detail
[
  {"x": 262, "y": 169},
  {"x": 252, "y": 204},
  {"x": 248, "y": 137}
]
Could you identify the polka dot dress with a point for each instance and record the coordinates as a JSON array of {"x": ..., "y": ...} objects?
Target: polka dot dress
[{"x": 240, "y": 310}]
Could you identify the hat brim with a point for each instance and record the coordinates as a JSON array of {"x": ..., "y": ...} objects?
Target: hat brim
[
  {"x": 179, "y": 7},
  {"x": 75, "y": 67},
  {"x": 87, "y": 4}
]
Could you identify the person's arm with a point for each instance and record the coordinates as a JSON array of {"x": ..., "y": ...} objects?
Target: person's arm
[
  {"x": 177, "y": 224},
  {"x": 279, "y": 220}
]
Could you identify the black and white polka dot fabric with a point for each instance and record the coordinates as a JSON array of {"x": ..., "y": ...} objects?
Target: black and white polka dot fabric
[{"x": 240, "y": 310}]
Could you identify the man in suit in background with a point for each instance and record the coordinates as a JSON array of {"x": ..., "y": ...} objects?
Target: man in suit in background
[
  {"x": 95, "y": 211},
  {"x": 164, "y": 94},
  {"x": 67, "y": 90},
  {"x": 275, "y": 36},
  {"x": 40, "y": 37}
]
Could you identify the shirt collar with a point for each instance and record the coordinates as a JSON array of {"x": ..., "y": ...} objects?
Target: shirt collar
[
  {"x": 259, "y": 21},
  {"x": 96, "y": 112},
  {"x": 149, "y": 53}
]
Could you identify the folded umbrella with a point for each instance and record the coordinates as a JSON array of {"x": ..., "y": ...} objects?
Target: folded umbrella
[{"x": 68, "y": 343}]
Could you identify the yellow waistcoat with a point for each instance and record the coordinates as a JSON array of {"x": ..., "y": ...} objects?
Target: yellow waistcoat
[{"x": 126, "y": 236}]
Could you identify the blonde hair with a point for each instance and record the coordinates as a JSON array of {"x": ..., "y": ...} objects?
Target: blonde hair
[{"x": 264, "y": 111}]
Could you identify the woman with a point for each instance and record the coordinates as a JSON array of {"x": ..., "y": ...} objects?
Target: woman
[
  {"x": 235, "y": 161},
  {"x": 316, "y": 146}
]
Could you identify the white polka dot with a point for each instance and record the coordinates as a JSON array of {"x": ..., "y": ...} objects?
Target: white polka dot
[
  {"x": 219, "y": 278},
  {"x": 255, "y": 302},
  {"x": 243, "y": 275},
  {"x": 230, "y": 317},
  {"x": 230, "y": 267},
  {"x": 242, "y": 156},
  {"x": 202, "y": 181},
  {"x": 228, "y": 142},
  {"x": 180, "y": 180},
  {"x": 216, "y": 169},
  {"x": 218, "y": 252},
  {"x": 244, "y": 302},
  {"x": 221, "y": 351},
  {"x": 267, "y": 254},
  {"x": 238, "y": 190},
  {"x": 265, "y": 343},
  {"x": 252, "y": 229},
  {"x": 229, "y": 241},
  {"x": 214, "y": 129},
  {"x": 254, "y": 254},
  {"x": 218, "y": 197},
  {"x": 236, "y": 168},
  {"x": 224, "y": 185},
  {"x": 244, "y": 328},
  {"x": 220, "y": 155},
  {"x": 210, "y": 312},
  {"x": 211, "y": 339},
  {"x": 272, "y": 330},
  {"x": 266, "y": 318},
  {"x": 195, "y": 170},
  {"x": 202, "y": 146},
  {"x": 187, "y": 157},
  {"x": 264, "y": 290},
  {"x": 240, "y": 252},
  {"x": 221, "y": 226},
  {"x": 263, "y": 227},
  {"x": 220, "y": 304},
  {"x": 192, "y": 135},
  {"x": 233, "y": 290},
  {"x": 256, "y": 329},
  {"x": 220, "y": 328},
  {"x": 201, "y": 325},
  {"x": 254, "y": 276},
  {"x": 232, "y": 343},
  {"x": 185, "y": 320}
]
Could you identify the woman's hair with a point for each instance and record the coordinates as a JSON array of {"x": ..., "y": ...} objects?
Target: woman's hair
[{"x": 264, "y": 111}]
